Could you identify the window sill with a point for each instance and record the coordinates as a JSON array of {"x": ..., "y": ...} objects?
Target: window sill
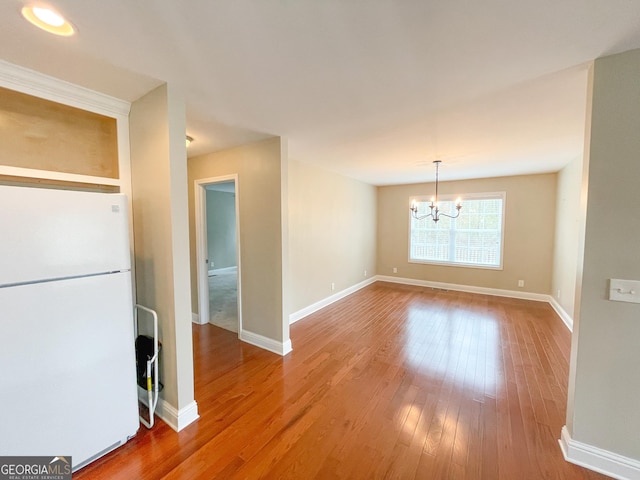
[{"x": 449, "y": 264}]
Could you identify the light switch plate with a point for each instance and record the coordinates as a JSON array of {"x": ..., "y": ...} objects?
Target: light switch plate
[{"x": 624, "y": 290}]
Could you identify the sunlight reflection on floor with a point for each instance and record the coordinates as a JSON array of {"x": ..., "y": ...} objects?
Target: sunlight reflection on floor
[{"x": 456, "y": 344}]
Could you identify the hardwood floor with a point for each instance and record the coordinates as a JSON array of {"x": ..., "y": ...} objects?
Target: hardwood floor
[{"x": 390, "y": 382}]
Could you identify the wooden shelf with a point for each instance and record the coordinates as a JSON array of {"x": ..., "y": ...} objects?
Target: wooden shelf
[{"x": 44, "y": 135}]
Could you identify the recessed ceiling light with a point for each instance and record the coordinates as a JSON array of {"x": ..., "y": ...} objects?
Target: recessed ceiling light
[{"x": 48, "y": 19}]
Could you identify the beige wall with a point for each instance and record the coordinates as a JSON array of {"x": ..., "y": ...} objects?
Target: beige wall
[
  {"x": 528, "y": 233},
  {"x": 259, "y": 167},
  {"x": 332, "y": 233},
  {"x": 567, "y": 236},
  {"x": 604, "y": 411},
  {"x": 161, "y": 244}
]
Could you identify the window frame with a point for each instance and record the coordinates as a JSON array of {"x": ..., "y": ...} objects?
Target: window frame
[{"x": 452, "y": 198}]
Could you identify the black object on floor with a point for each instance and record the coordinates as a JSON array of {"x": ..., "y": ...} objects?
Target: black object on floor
[{"x": 144, "y": 353}]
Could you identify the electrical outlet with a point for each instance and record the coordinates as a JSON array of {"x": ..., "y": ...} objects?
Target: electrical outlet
[
  {"x": 558, "y": 296},
  {"x": 333, "y": 286},
  {"x": 395, "y": 270},
  {"x": 365, "y": 273},
  {"x": 521, "y": 283}
]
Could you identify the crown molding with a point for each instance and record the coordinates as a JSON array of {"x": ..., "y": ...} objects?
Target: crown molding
[{"x": 37, "y": 84}]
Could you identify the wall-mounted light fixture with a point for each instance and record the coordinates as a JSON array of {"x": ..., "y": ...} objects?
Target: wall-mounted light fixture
[
  {"x": 434, "y": 209},
  {"x": 189, "y": 140}
]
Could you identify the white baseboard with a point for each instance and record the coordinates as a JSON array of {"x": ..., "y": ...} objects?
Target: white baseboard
[
  {"x": 597, "y": 459},
  {"x": 300, "y": 314},
  {"x": 177, "y": 420},
  {"x": 195, "y": 318},
  {"x": 266, "y": 343},
  {"x": 496, "y": 292},
  {"x": 562, "y": 313},
  {"x": 538, "y": 297},
  {"x": 222, "y": 270}
]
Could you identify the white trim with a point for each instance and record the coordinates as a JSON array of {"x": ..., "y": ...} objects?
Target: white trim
[
  {"x": 177, "y": 419},
  {"x": 562, "y": 313},
  {"x": 285, "y": 271},
  {"x": 496, "y": 292},
  {"x": 537, "y": 297},
  {"x": 200, "y": 200},
  {"x": 449, "y": 198},
  {"x": 266, "y": 343},
  {"x": 222, "y": 270},
  {"x": 195, "y": 318},
  {"x": 211, "y": 272},
  {"x": 597, "y": 459},
  {"x": 51, "y": 175},
  {"x": 200, "y": 204},
  {"x": 37, "y": 84},
  {"x": 300, "y": 314}
]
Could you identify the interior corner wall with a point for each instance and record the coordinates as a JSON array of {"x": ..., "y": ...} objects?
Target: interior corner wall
[
  {"x": 529, "y": 226},
  {"x": 605, "y": 412},
  {"x": 284, "y": 242},
  {"x": 332, "y": 233},
  {"x": 259, "y": 168},
  {"x": 159, "y": 195},
  {"x": 567, "y": 235},
  {"x": 582, "y": 219}
]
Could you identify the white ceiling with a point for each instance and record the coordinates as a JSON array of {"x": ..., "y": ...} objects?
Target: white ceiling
[{"x": 372, "y": 89}]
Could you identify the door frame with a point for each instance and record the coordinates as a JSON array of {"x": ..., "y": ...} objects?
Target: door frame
[{"x": 202, "y": 266}]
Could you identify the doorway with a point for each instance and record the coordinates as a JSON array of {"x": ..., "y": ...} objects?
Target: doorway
[{"x": 218, "y": 252}]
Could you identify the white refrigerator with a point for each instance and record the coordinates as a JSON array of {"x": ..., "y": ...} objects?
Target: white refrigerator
[{"x": 67, "y": 362}]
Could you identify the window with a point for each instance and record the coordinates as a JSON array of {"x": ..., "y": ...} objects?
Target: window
[{"x": 474, "y": 239}]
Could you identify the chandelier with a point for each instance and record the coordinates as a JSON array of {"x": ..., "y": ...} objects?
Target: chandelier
[{"x": 434, "y": 209}]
